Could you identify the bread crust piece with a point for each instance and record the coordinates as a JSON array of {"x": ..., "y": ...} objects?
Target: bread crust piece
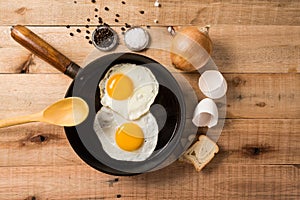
[{"x": 200, "y": 153}]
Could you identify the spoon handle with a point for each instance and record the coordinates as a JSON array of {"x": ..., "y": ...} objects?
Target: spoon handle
[{"x": 20, "y": 120}]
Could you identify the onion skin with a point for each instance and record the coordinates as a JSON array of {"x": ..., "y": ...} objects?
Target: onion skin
[{"x": 190, "y": 36}]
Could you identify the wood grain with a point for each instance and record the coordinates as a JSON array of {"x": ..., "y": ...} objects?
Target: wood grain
[
  {"x": 258, "y": 95},
  {"x": 257, "y": 141},
  {"x": 251, "y": 142},
  {"x": 187, "y": 12},
  {"x": 175, "y": 182},
  {"x": 248, "y": 96},
  {"x": 256, "y": 47},
  {"x": 247, "y": 52},
  {"x": 263, "y": 96},
  {"x": 22, "y": 94}
]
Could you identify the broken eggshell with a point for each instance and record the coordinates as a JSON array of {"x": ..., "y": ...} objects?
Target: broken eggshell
[
  {"x": 212, "y": 84},
  {"x": 205, "y": 114}
]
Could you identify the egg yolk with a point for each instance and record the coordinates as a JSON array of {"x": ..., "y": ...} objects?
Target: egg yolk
[
  {"x": 129, "y": 137},
  {"x": 119, "y": 87}
]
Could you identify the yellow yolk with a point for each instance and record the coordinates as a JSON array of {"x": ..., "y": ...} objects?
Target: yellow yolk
[
  {"x": 129, "y": 137},
  {"x": 119, "y": 87}
]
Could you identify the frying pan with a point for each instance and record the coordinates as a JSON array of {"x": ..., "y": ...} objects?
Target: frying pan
[{"x": 172, "y": 138}]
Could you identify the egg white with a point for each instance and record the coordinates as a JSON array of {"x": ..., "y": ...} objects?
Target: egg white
[
  {"x": 107, "y": 122},
  {"x": 145, "y": 90}
]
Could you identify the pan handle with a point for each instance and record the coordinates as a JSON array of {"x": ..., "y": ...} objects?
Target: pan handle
[{"x": 45, "y": 51}]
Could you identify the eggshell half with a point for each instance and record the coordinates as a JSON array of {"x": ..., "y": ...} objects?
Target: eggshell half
[
  {"x": 212, "y": 84},
  {"x": 206, "y": 113}
]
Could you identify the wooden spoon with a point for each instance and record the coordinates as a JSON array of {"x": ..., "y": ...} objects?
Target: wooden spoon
[{"x": 66, "y": 112}]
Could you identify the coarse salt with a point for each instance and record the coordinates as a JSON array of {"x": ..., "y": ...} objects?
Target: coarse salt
[
  {"x": 136, "y": 39},
  {"x": 156, "y": 3},
  {"x": 171, "y": 30}
]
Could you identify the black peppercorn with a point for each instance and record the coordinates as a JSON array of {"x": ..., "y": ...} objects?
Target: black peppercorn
[
  {"x": 105, "y": 38},
  {"x": 127, "y": 25},
  {"x": 105, "y": 24}
]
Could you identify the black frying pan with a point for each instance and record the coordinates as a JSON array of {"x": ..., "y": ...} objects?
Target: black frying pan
[{"x": 83, "y": 138}]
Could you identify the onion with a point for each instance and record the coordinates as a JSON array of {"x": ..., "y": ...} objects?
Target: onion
[{"x": 191, "y": 48}]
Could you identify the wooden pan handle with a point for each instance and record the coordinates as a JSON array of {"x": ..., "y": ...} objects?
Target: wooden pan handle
[{"x": 45, "y": 51}]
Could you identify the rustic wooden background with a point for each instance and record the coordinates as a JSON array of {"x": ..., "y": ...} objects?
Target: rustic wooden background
[{"x": 257, "y": 48}]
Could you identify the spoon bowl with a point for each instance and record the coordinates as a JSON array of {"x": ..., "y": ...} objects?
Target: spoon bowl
[{"x": 66, "y": 112}]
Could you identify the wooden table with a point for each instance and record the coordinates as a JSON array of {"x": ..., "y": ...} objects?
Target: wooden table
[{"x": 256, "y": 47}]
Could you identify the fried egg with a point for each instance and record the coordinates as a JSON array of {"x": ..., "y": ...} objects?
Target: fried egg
[
  {"x": 129, "y": 90},
  {"x": 123, "y": 139}
]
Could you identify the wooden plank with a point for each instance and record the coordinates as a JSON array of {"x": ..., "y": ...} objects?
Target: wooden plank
[
  {"x": 252, "y": 142},
  {"x": 36, "y": 144},
  {"x": 221, "y": 182},
  {"x": 237, "y": 49},
  {"x": 258, "y": 95},
  {"x": 263, "y": 96},
  {"x": 24, "y": 94},
  {"x": 248, "y": 95},
  {"x": 256, "y": 49},
  {"x": 257, "y": 141},
  {"x": 172, "y": 12}
]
